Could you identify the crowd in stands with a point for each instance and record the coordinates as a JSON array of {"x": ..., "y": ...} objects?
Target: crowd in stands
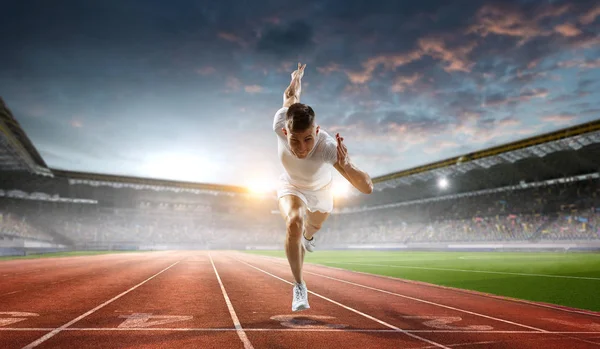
[
  {"x": 13, "y": 227},
  {"x": 557, "y": 212}
]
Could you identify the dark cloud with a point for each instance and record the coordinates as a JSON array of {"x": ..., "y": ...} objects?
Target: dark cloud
[
  {"x": 289, "y": 41},
  {"x": 402, "y": 79}
]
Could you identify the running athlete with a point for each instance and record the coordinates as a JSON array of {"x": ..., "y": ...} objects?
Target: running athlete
[{"x": 307, "y": 154}]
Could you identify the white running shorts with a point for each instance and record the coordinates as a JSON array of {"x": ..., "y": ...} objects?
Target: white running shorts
[{"x": 318, "y": 200}]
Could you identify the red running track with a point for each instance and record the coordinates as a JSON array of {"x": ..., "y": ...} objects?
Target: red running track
[{"x": 235, "y": 300}]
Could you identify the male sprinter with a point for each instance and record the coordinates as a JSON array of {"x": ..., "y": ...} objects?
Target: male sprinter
[{"x": 304, "y": 193}]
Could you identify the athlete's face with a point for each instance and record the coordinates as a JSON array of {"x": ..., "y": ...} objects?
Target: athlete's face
[{"x": 301, "y": 143}]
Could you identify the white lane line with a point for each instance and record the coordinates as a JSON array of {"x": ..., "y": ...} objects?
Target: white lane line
[
  {"x": 438, "y": 345},
  {"x": 467, "y": 271},
  {"x": 462, "y": 290},
  {"x": 61, "y": 328},
  {"x": 236, "y": 321},
  {"x": 227, "y": 329},
  {"x": 444, "y": 306},
  {"x": 427, "y": 302},
  {"x": 465, "y": 344}
]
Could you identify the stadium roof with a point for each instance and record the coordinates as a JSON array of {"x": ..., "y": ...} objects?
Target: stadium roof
[
  {"x": 117, "y": 181},
  {"x": 569, "y": 138},
  {"x": 17, "y": 153},
  {"x": 568, "y": 152}
]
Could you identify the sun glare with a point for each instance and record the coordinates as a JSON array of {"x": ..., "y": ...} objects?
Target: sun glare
[
  {"x": 340, "y": 189},
  {"x": 260, "y": 186},
  {"x": 178, "y": 166}
]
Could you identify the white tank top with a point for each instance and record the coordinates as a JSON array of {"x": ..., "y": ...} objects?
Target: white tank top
[{"x": 313, "y": 172}]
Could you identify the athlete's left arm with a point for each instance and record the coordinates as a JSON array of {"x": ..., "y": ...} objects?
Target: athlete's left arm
[{"x": 359, "y": 179}]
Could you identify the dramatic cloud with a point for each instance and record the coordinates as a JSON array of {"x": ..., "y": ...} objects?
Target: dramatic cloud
[
  {"x": 188, "y": 90},
  {"x": 559, "y": 119},
  {"x": 286, "y": 41}
]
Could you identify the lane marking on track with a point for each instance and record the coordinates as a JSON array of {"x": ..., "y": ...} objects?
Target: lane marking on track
[
  {"x": 590, "y": 326},
  {"x": 236, "y": 321},
  {"x": 306, "y": 321},
  {"x": 427, "y": 302},
  {"x": 443, "y": 323},
  {"x": 15, "y": 316},
  {"x": 142, "y": 320},
  {"x": 212, "y": 329},
  {"x": 63, "y": 327},
  {"x": 438, "y": 345},
  {"x": 462, "y": 290},
  {"x": 467, "y": 270},
  {"x": 465, "y": 344}
]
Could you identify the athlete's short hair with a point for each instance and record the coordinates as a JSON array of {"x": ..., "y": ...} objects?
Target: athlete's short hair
[{"x": 299, "y": 117}]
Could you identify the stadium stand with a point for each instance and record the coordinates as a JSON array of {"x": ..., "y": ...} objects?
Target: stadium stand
[{"x": 541, "y": 190}]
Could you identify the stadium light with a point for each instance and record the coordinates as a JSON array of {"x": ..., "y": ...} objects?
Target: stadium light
[{"x": 443, "y": 183}]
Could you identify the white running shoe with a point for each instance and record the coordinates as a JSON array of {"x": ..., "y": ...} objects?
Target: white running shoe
[
  {"x": 309, "y": 245},
  {"x": 300, "y": 294}
]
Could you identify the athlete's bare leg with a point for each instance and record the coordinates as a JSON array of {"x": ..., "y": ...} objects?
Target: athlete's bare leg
[
  {"x": 313, "y": 222},
  {"x": 292, "y": 210}
]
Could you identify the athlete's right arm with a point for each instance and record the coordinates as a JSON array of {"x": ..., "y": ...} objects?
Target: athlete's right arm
[{"x": 293, "y": 91}]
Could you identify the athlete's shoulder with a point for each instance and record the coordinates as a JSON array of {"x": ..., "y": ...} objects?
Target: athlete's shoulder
[
  {"x": 328, "y": 146},
  {"x": 279, "y": 119},
  {"x": 282, "y": 110}
]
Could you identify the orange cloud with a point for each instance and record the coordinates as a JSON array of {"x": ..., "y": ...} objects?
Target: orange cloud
[
  {"x": 402, "y": 82},
  {"x": 509, "y": 122},
  {"x": 439, "y": 146},
  {"x": 590, "y": 16},
  {"x": 232, "y": 38},
  {"x": 552, "y": 11},
  {"x": 510, "y": 21},
  {"x": 389, "y": 62},
  {"x": 567, "y": 29},
  {"x": 456, "y": 57},
  {"x": 558, "y": 119},
  {"x": 492, "y": 19},
  {"x": 253, "y": 89},
  {"x": 589, "y": 64}
]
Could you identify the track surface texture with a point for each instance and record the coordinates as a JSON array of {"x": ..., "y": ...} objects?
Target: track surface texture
[{"x": 228, "y": 299}]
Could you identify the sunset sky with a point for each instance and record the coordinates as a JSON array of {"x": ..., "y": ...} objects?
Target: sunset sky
[{"x": 187, "y": 90}]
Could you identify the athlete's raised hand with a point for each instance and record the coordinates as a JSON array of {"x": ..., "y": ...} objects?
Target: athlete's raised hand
[
  {"x": 342, "y": 151},
  {"x": 299, "y": 73}
]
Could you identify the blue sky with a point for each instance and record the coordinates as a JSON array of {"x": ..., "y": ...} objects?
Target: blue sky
[{"x": 187, "y": 90}]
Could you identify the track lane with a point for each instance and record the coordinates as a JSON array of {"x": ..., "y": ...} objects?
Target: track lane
[
  {"x": 45, "y": 271},
  {"x": 181, "y": 307},
  {"x": 57, "y": 304},
  {"x": 264, "y": 302},
  {"x": 320, "y": 277}
]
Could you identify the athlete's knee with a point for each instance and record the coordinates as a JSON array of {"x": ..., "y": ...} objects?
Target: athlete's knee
[
  {"x": 314, "y": 226},
  {"x": 294, "y": 223}
]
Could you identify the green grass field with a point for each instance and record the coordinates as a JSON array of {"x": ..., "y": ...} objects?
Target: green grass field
[{"x": 570, "y": 279}]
